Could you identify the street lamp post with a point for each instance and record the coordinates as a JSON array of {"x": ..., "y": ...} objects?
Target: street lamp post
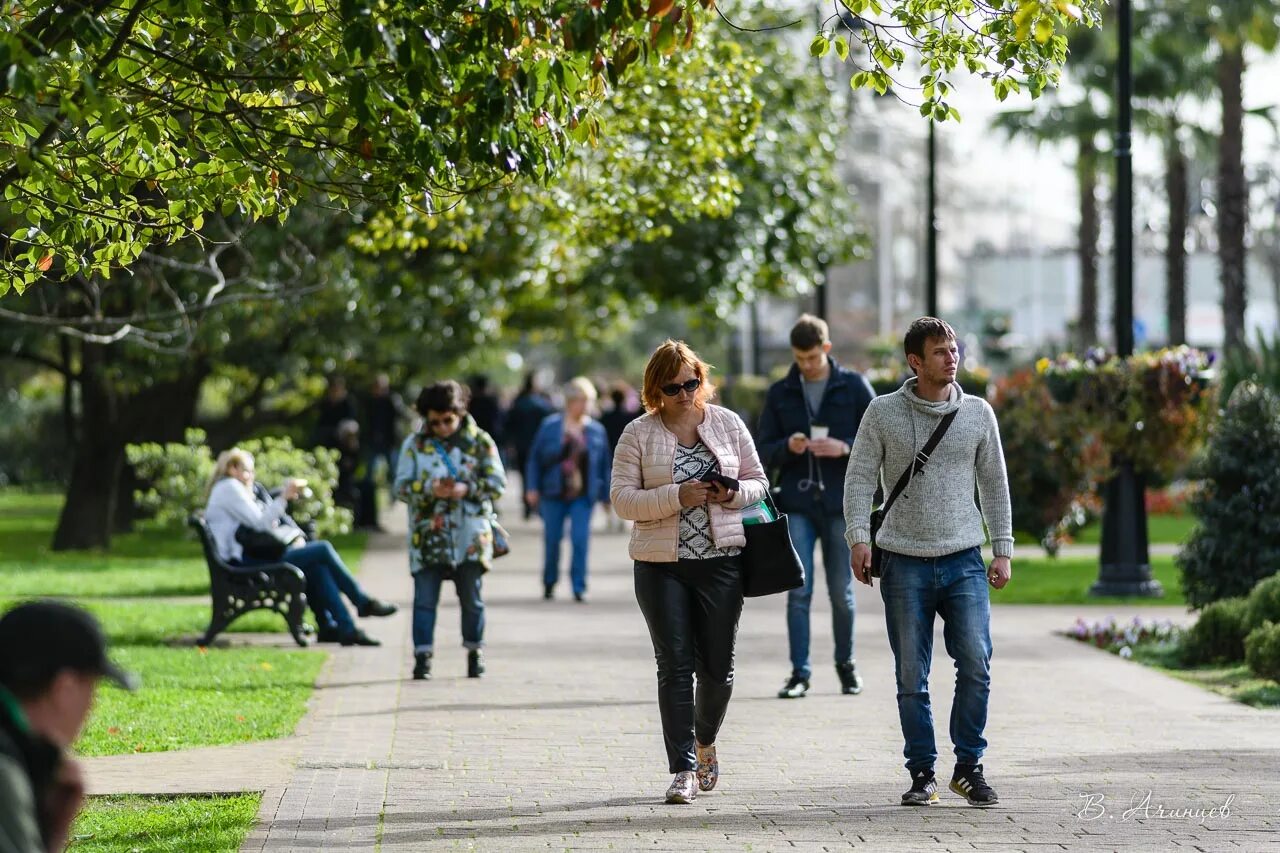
[
  {"x": 1125, "y": 560},
  {"x": 931, "y": 227}
]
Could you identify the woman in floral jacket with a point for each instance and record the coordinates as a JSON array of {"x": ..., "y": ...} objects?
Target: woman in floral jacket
[{"x": 450, "y": 475}]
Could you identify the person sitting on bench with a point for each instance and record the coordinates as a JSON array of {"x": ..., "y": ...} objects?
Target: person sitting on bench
[{"x": 232, "y": 504}]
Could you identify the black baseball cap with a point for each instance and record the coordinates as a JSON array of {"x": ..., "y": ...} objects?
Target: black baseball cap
[{"x": 39, "y": 639}]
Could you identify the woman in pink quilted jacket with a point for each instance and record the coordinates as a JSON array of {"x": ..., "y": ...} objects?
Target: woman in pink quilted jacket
[{"x": 683, "y": 472}]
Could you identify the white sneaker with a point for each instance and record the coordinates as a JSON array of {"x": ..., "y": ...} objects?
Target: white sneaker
[{"x": 684, "y": 787}]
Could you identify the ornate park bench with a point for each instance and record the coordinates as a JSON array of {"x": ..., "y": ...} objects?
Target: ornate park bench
[{"x": 238, "y": 589}]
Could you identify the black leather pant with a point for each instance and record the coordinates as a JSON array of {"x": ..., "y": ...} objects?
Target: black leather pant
[{"x": 692, "y": 607}]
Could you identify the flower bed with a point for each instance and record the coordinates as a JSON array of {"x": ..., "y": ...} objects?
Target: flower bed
[{"x": 1120, "y": 638}]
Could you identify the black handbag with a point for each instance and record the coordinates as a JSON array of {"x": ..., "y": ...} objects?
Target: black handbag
[
  {"x": 268, "y": 545},
  {"x": 770, "y": 563},
  {"x": 917, "y": 465}
]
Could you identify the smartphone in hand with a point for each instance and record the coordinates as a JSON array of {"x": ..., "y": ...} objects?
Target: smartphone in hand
[{"x": 713, "y": 476}]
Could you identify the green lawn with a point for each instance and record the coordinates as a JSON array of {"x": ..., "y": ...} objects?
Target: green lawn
[
  {"x": 1235, "y": 681},
  {"x": 146, "y": 562},
  {"x": 1161, "y": 529},
  {"x": 177, "y": 824},
  {"x": 189, "y": 697},
  {"x": 1066, "y": 580}
]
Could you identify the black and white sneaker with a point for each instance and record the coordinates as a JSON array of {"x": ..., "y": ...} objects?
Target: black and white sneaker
[
  {"x": 924, "y": 789},
  {"x": 850, "y": 681},
  {"x": 794, "y": 688},
  {"x": 969, "y": 783}
]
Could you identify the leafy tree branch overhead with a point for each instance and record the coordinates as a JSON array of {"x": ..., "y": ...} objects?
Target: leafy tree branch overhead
[
  {"x": 1014, "y": 44},
  {"x": 123, "y": 124}
]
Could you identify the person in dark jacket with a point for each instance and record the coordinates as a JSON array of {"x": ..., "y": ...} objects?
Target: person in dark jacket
[
  {"x": 486, "y": 408},
  {"x": 524, "y": 417},
  {"x": 615, "y": 421},
  {"x": 52, "y": 657},
  {"x": 336, "y": 406},
  {"x": 806, "y": 431}
]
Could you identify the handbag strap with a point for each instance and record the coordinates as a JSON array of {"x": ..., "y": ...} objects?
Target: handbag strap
[
  {"x": 917, "y": 464},
  {"x": 444, "y": 454}
]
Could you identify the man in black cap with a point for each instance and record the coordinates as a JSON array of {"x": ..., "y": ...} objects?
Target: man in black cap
[{"x": 52, "y": 657}]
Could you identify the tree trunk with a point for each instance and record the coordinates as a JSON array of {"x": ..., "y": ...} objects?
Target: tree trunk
[
  {"x": 1175, "y": 251},
  {"x": 89, "y": 510},
  {"x": 100, "y": 480},
  {"x": 1233, "y": 197},
  {"x": 1088, "y": 235}
]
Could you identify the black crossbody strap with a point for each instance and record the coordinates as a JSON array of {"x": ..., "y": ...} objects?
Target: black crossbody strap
[{"x": 922, "y": 457}]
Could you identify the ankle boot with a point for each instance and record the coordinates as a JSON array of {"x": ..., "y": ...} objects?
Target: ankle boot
[
  {"x": 475, "y": 663},
  {"x": 422, "y": 666}
]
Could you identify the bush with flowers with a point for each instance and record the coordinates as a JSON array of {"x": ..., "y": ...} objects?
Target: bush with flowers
[
  {"x": 1151, "y": 409},
  {"x": 1052, "y": 464}
]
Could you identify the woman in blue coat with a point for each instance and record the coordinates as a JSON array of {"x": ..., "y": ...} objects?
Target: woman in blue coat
[{"x": 566, "y": 475}]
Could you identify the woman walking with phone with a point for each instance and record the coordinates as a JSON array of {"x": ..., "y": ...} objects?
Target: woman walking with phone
[
  {"x": 450, "y": 475},
  {"x": 683, "y": 472}
]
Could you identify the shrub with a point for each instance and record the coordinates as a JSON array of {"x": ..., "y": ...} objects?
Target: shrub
[
  {"x": 1264, "y": 604},
  {"x": 1051, "y": 465},
  {"x": 1218, "y": 634},
  {"x": 1236, "y": 541},
  {"x": 1151, "y": 409},
  {"x": 1262, "y": 651},
  {"x": 33, "y": 438},
  {"x": 177, "y": 476}
]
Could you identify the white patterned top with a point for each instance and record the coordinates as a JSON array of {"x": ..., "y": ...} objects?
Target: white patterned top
[{"x": 695, "y": 522}]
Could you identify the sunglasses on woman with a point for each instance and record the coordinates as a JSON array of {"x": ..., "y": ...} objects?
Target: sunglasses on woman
[{"x": 676, "y": 387}]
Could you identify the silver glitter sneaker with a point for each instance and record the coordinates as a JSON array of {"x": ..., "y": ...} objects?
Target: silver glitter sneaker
[{"x": 684, "y": 787}]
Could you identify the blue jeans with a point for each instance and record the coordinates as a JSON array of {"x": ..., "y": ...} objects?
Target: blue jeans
[
  {"x": 554, "y": 513},
  {"x": 806, "y": 530},
  {"x": 327, "y": 581},
  {"x": 426, "y": 598},
  {"x": 955, "y": 587}
]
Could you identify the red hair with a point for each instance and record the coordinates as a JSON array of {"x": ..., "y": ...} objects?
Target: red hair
[{"x": 664, "y": 365}]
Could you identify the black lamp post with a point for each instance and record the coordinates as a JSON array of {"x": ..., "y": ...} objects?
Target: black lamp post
[
  {"x": 1126, "y": 562},
  {"x": 931, "y": 228}
]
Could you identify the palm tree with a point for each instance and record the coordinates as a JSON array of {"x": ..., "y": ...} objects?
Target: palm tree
[
  {"x": 1234, "y": 26},
  {"x": 1172, "y": 69}
]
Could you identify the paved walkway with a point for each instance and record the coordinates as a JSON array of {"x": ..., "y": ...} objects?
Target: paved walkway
[{"x": 559, "y": 746}]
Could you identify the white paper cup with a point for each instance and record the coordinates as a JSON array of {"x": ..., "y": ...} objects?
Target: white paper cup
[{"x": 818, "y": 431}]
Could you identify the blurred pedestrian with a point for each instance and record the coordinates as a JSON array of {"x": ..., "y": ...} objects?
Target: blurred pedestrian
[
  {"x": 526, "y": 414},
  {"x": 451, "y": 476},
  {"x": 335, "y": 407},
  {"x": 485, "y": 407},
  {"x": 355, "y": 489},
  {"x": 52, "y": 658},
  {"x": 683, "y": 473},
  {"x": 383, "y": 411},
  {"x": 806, "y": 431},
  {"x": 615, "y": 421},
  {"x": 566, "y": 475}
]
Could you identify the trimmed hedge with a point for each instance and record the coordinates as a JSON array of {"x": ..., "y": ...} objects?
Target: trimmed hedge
[{"x": 1218, "y": 635}]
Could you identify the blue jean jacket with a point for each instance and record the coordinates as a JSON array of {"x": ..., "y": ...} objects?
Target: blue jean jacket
[{"x": 542, "y": 472}]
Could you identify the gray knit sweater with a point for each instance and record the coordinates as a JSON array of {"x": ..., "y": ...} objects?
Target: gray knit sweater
[{"x": 936, "y": 514}]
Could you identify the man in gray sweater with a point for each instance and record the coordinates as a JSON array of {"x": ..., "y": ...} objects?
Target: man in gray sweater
[{"x": 931, "y": 539}]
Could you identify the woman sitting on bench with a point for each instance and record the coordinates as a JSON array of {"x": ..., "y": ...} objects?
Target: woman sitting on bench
[{"x": 232, "y": 504}]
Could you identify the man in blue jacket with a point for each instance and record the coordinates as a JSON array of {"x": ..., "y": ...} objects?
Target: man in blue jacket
[{"x": 806, "y": 430}]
